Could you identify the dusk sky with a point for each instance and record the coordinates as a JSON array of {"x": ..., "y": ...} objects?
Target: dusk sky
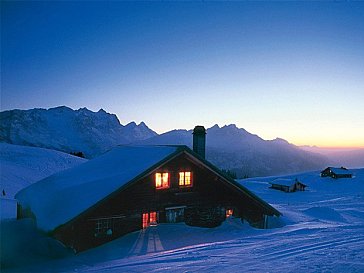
[{"x": 293, "y": 70}]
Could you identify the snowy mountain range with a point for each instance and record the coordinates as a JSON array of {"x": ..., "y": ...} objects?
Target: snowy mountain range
[
  {"x": 93, "y": 133},
  {"x": 67, "y": 130},
  {"x": 247, "y": 154}
]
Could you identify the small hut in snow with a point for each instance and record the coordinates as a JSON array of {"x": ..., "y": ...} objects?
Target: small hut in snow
[
  {"x": 336, "y": 172},
  {"x": 287, "y": 185}
]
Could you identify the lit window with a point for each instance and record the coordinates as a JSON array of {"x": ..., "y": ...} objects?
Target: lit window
[
  {"x": 158, "y": 180},
  {"x": 229, "y": 212},
  {"x": 185, "y": 179},
  {"x": 153, "y": 218},
  {"x": 162, "y": 180},
  {"x": 145, "y": 220},
  {"x": 181, "y": 178}
]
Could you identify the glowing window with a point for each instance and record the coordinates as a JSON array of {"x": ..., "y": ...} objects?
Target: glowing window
[
  {"x": 153, "y": 218},
  {"x": 162, "y": 180},
  {"x": 229, "y": 212},
  {"x": 185, "y": 179},
  {"x": 145, "y": 220},
  {"x": 181, "y": 178}
]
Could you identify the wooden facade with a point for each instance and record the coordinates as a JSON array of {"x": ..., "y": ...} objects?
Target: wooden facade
[{"x": 205, "y": 202}]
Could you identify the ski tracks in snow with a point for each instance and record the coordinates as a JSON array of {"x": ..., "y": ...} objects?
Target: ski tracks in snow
[{"x": 318, "y": 250}]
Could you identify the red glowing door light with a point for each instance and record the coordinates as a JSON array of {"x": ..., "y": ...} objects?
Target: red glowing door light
[{"x": 149, "y": 219}]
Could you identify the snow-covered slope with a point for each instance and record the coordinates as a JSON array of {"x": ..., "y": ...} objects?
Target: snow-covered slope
[
  {"x": 68, "y": 130},
  {"x": 236, "y": 149},
  {"x": 322, "y": 231},
  {"x": 22, "y": 166}
]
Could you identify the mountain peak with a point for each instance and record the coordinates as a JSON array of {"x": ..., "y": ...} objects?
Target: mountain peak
[
  {"x": 58, "y": 107},
  {"x": 102, "y": 111},
  {"x": 216, "y": 126},
  {"x": 83, "y": 109},
  {"x": 233, "y": 129},
  {"x": 232, "y": 125},
  {"x": 140, "y": 131},
  {"x": 61, "y": 108},
  {"x": 280, "y": 140},
  {"x": 131, "y": 124}
]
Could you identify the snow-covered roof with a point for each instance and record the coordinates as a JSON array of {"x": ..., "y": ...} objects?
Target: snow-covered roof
[
  {"x": 339, "y": 170},
  {"x": 284, "y": 181},
  {"x": 59, "y": 198}
]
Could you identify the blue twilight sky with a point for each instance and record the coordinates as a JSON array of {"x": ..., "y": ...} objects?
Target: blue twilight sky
[{"x": 278, "y": 69}]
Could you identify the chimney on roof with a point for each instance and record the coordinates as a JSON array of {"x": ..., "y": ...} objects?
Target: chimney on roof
[{"x": 199, "y": 140}]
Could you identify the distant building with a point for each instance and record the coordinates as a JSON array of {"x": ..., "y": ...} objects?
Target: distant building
[
  {"x": 134, "y": 187},
  {"x": 336, "y": 172},
  {"x": 287, "y": 185}
]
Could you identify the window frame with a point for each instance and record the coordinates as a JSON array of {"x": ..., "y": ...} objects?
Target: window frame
[
  {"x": 182, "y": 175},
  {"x": 160, "y": 185},
  {"x": 102, "y": 226}
]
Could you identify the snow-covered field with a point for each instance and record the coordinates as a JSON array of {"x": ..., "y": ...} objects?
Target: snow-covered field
[
  {"x": 21, "y": 166},
  {"x": 323, "y": 231}
]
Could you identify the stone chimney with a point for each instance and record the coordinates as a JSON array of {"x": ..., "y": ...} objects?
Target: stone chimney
[{"x": 199, "y": 140}]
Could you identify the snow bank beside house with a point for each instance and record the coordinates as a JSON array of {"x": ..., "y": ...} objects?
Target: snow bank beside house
[{"x": 22, "y": 244}]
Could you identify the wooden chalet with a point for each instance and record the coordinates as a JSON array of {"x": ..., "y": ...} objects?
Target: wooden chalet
[
  {"x": 287, "y": 185},
  {"x": 336, "y": 172},
  {"x": 133, "y": 187}
]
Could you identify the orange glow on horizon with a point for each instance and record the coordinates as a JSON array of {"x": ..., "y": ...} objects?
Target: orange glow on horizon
[
  {"x": 329, "y": 145},
  {"x": 342, "y": 147}
]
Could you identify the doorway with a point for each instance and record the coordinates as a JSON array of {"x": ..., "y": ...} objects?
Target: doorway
[{"x": 149, "y": 219}]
